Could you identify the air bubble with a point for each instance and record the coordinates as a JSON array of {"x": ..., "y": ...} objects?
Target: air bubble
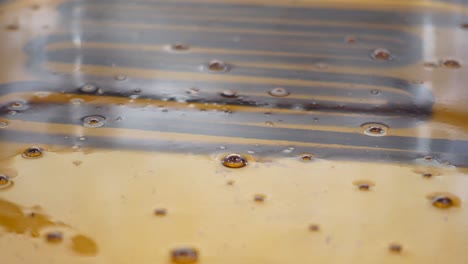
[
  {"x": 363, "y": 185},
  {"x": 375, "y": 129},
  {"x": 217, "y": 66},
  {"x": 269, "y": 123},
  {"x": 3, "y": 124},
  {"x": 314, "y": 228},
  {"x": 288, "y": 150},
  {"x": 229, "y": 94},
  {"x": 350, "y": 39},
  {"x": 5, "y": 182},
  {"x": 179, "y": 47},
  {"x": 428, "y": 158},
  {"x": 94, "y": 121},
  {"x": 184, "y": 255},
  {"x": 234, "y": 161},
  {"x": 42, "y": 94},
  {"x": 431, "y": 65},
  {"x": 382, "y": 54},
  {"x": 193, "y": 90},
  {"x": 17, "y": 106},
  {"x": 76, "y": 101},
  {"x": 259, "y": 198},
  {"x": 307, "y": 156},
  {"x": 395, "y": 248},
  {"x": 427, "y": 175},
  {"x": 375, "y": 92},
  {"x": 160, "y": 212},
  {"x": 33, "y": 153},
  {"x": 451, "y": 64},
  {"x": 120, "y": 77},
  {"x": 444, "y": 200},
  {"x": 88, "y": 88},
  {"x": 278, "y": 92},
  {"x": 54, "y": 237}
]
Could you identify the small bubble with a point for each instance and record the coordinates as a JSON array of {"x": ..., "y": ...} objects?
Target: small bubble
[
  {"x": 288, "y": 150},
  {"x": 269, "y": 123},
  {"x": 17, "y": 106},
  {"x": 184, "y": 255},
  {"x": 314, "y": 227},
  {"x": 42, "y": 94},
  {"x": 428, "y": 158},
  {"x": 431, "y": 65},
  {"x": 93, "y": 121},
  {"x": 88, "y": 88},
  {"x": 278, "y": 92},
  {"x": 218, "y": 66},
  {"x": 12, "y": 112},
  {"x": 54, "y": 237},
  {"x": 427, "y": 175},
  {"x": 375, "y": 129},
  {"x": 229, "y": 94},
  {"x": 382, "y": 54},
  {"x": 350, "y": 39},
  {"x": 375, "y": 92},
  {"x": 451, "y": 64},
  {"x": 180, "y": 47},
  {"x": 33, "y": 152},
  {"x": 120, "y": 77},
  {"x": 193, "y": 90},
  {"x": 259, "y": 198},
  {"x": 3, "y": 124},
  {"x": 160, "y": 212},
  {"x": 222, "y": 147},
  {"x": 307, "y": 156},
  {"x": 119, "y": 118},
  {"x": 82, "y": 138},
  {"x": 444, "y": 200},
  {"x": 395, "y": 248},
  {"x": 76, "y": 101},
  {"x": 250, "y": 151},
  {"x": 5, "y": 182},
  {"x": 234, "y": 161},
  {"x": 363, "y": 185}
]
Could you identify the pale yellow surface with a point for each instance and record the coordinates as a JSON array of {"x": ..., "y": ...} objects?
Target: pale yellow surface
[{"x": 110, "y": 196}]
